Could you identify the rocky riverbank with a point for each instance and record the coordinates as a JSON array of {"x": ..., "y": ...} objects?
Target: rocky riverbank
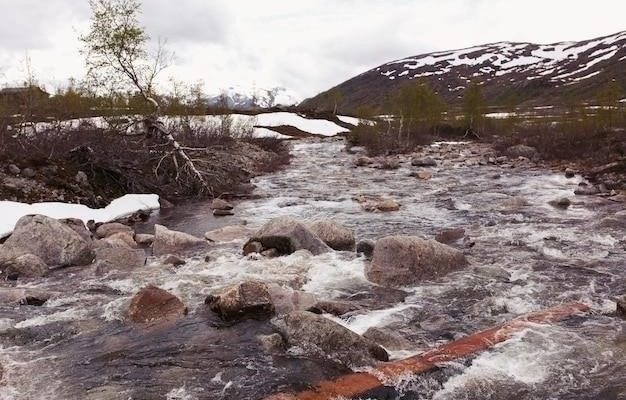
[{"x": 328, "y": 268}]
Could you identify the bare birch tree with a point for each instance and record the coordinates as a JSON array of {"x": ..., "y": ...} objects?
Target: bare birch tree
[{"x": 115, "y": 49}]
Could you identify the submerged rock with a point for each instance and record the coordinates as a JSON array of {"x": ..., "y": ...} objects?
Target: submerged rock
[
  {"x": 405, "y": 260},
  {"x": 563, "y": 203},
  {"x": 450, "y": 235},
  {"x": 366, "y": 247},
  {"x": 152, "y": 304},
  {"x": 173, "y": 242},
  {"x": 316, "y": 335},
  {"x": 55, "y": 243},
  {"x": 423, "y": 162},
  {"x": 335, "y": 235},
  {"x": 245, "y": 300},
  {"x": 287, "y": 235},
  {"x": 228, "y": 233}
]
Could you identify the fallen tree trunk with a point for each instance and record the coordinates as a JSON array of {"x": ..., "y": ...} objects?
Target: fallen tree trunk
[{"x": 357, "y": 384}]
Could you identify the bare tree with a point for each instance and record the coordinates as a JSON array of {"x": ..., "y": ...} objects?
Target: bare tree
[{"x": 116, "y": 54}]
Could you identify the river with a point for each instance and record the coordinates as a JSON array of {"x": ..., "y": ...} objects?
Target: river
[{"x": 521, "y": 259}]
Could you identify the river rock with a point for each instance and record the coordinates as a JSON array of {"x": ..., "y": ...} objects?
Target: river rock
[
  {"x": 570, "y": 173},
  {"x": 286, "y": 299},
  {"x": 144, "y": 239},
  {"x": 388, "y": 339},
  {"x": 387, "y": 163},
  {"x": 55, "y": 243},
  {"x": 316, "y": 335},
  {"x": 621, "y": 306},
  {"x": 118, "y": 258},
  {"x": 563, "y": 203},
  {"x": 617, "y": 221},
  {"x": 423, "y": 162},
  {"x": 13, "y": 169},
  {"x": 287, "y": 234},
  {"x": 223, "y": 213},
  {"x": 334, "y": 307},
  {"x": 366, "y": 247},
  {"x": 334, "y": 234},
  {"x": 273, "y": 343},
  {"x": 405, "y": 260},
  {"x": 15, "y": 265},
  {"x": 422, "y": 174},
  {"x": 246, "y": 299},
  {"x": 252, "y": 247},
  {"x": 110, "y": 228},
  {"x": 171, "y": 259},
  {"x": 152, "y": 304},
  {"x": 450, "y": 235},
  {"x": 386, "y": 205},
  {"x": 23, "y": 296},
  {"x": 523, "y": 151},
  {"x": 362, "y": 161},
  {"x": 219, "y": 204},
  {"x": 121, "y": 239},
  {"x": 584, "y": 189},
  {"x": 228, "y": 233},
  {"x": 515, "y": 202},
  {"x": 78, "y": 226},
  {"x": 167, "y": 241}
]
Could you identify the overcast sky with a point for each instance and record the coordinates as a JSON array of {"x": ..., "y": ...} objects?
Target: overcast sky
[{"x": 304, "y": 45}]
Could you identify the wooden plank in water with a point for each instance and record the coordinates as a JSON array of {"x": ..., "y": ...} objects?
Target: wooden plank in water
[{"x": 359, "y": 383}]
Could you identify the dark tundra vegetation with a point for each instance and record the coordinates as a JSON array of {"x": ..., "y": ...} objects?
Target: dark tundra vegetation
[{"x": 453, "y": 228}]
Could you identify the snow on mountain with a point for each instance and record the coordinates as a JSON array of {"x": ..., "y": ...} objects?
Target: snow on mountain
[
  {"x": 537, "y": 73},
  {"x": 238, "y": 97}
]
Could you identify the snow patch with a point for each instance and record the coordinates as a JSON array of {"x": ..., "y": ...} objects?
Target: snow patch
[{"x": 119, "y": 208}]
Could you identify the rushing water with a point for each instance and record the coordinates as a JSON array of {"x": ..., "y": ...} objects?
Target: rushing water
[{"x": 78, "y": 346}]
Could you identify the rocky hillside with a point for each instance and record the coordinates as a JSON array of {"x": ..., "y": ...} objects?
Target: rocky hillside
[{"x": 538, "y": 74}]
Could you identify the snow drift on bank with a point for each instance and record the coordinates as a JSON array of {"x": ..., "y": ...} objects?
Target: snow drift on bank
[{"x": 12, "y": 211}]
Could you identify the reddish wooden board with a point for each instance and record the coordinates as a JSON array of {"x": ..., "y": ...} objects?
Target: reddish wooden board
[{"x": 356, "y": 384}]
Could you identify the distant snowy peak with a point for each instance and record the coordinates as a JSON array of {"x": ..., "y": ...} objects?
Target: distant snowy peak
[
  {"x": 242, "y": 98},
  {"x": 560, "y": 63},
  {"x": 537, "y": 74}
]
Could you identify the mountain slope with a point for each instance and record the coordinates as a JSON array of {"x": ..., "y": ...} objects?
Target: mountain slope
[{"x": 537, "y": 74}]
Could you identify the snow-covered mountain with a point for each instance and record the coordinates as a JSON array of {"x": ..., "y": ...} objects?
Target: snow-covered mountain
[
  {"x": 537, "y": 73},
  {"x": 240, "y": 98}
]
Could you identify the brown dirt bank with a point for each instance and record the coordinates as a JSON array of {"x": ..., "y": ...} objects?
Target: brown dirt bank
[{"x": 93, "y": 167}]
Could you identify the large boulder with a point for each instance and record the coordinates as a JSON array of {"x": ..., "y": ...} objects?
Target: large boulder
[
  {"x": 318, "y": 336},
  {"x": 172, "y": 242},
  {"x": 55, "y": 243},
  {"x": 521, "y": 150},
  {"x": 405, "y": 260},
  {"x": 153, "y": 304},
  {"x": 335, "y": 235},
  {"x": 246, "y": 299},
  {"x": 286, "y": 235}
]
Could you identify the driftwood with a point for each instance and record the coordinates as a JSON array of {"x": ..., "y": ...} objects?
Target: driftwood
[{"x": 360, "y": 383}]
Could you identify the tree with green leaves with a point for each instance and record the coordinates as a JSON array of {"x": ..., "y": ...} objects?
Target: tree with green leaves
[
  {"x": 418, "y": 107},
  {"x": 474, "y": 109},
  {"x": 117, "y": 56}
]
